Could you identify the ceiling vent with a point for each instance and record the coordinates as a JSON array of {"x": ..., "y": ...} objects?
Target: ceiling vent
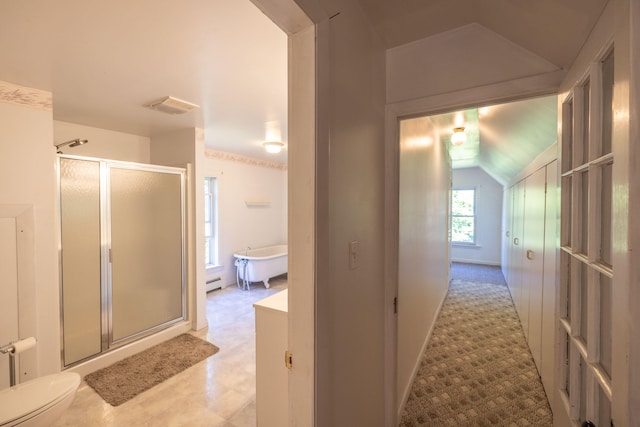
[{"x": 171, "y": 105}]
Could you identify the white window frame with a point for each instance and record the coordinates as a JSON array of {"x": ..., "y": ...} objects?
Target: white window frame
[
  {"x": 211, "y": 199},
  {"x": 475, "y": 216}
]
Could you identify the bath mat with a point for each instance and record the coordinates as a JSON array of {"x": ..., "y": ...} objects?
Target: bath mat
[{"x": 131, "y": 376}]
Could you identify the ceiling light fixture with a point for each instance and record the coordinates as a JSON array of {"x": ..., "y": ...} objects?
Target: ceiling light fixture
[
  {"x": 273, "y": 147},
  {"x": 171, "y": 105},
  {"x": 459, "y": 137}
]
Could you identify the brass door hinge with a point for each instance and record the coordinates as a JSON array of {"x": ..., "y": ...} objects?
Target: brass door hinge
[{"x": 288, "y": 359}]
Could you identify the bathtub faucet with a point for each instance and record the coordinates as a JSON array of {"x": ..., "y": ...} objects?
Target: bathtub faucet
[{"x": 246, "y": 250}]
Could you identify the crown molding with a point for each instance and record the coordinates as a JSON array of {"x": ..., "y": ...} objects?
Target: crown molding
[
  {"x": 223, "y": 155},
  {"x": 25, "y": 96}
]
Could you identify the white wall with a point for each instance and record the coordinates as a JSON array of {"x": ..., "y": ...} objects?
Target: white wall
[
  {"x": 423, "y": 264},
  {"x": 240, "y": 179},
  {"x": 27, "y": 177},
  {"x": 463, "y": 58},
  {"x": 185, "y": 148},
  {"x": 489, "y": 195},
  {"x": 350, "y": 303},
  {"x": 103, "y": 143}
]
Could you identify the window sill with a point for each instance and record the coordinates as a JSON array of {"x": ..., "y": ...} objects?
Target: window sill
[
  {"x": 466, "y": 245},
  {"x": 211, "y": 267}
]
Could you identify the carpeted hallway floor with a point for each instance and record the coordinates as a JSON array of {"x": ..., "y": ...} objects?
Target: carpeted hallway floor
[{"x": 477, "y": 369}]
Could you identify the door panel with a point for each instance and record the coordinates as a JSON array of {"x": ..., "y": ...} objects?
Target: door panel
[
  {"x": 122, "y": 257},
  {"x": 516, "y": 245},
  {"x": 146, "y": 250},
  {"x": 533, "y": 261},
  {"x": 586, "y": 286},
  {"x": 81, "y": 271}
]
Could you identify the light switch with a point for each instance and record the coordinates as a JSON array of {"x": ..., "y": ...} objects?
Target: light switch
[{"x": 354, "y": 255}]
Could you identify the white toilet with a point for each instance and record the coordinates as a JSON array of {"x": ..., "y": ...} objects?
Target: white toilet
[{"x": 38, "y": 402}]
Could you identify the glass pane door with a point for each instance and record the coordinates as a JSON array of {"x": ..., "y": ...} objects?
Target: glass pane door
[
  {"x": 586, "y": 265},
  {"x": 146, "y": 250},
  {"x": 80, "y": 256}
]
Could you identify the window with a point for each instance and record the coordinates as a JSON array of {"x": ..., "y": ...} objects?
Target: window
[
  {"x": 463, "y": 215},
  {"x": 211, "y": 221}
]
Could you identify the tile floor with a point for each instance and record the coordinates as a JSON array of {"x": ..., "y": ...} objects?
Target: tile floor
[{"x": 219, "y": 391}]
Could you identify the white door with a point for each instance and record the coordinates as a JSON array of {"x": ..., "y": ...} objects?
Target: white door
[
  {"x": 515, "y": 277},
  {"x": 586, "y": 269},
  {"x": 532, "y": 262}
]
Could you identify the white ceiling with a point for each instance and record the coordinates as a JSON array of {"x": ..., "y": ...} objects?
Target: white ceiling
[
  {"x": 552, "y": 29},
  {"x": 103, "y": 60},
  {"x": 501, "y": 139}
]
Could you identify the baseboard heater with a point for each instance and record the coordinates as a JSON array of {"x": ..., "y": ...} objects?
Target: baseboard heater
[{"x": 214, "y": 283}]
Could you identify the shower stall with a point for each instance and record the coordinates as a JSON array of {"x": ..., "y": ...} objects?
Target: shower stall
[{"x": 122, "y": 253}]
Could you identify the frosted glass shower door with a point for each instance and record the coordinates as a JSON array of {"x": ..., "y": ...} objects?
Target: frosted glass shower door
[
  {"x": 80, "y": 258},
  {"x": 147, "y": 277}
]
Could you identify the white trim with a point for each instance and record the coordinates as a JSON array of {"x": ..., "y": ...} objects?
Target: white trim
[
  {"x": 214, "y": 247},
  {"x": 302, "y": 182},
  {"x": 393, "y": 407},
  {"x": 476, "y": 261},
  {"x": 511, "y": 90},
  {"x": 499, "y": 92}
]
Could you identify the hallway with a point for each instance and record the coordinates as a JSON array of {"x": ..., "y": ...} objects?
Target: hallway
[{"x": 477, "y": 369}]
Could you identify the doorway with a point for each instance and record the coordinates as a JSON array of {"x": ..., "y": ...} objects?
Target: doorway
[{"x": 486, "y": 163}]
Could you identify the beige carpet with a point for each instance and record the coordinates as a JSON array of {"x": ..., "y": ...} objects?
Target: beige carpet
[
  {"x": 131, "y": 376},
  {"x": 477, "y": 369}
]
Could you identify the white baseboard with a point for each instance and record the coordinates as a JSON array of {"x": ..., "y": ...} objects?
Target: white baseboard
[{"x": 476, "y": 261}]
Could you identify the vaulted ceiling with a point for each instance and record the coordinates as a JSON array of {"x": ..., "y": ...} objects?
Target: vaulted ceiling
[
  {"x": 464, "y": 44},
  {"x": 501, "y": 139},
  {"x": 552, "y": 29}
]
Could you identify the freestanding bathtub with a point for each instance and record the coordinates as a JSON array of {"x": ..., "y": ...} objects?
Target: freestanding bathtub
[{"x": 261, "y": 264}]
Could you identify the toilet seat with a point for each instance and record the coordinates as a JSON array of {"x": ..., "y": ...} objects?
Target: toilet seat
[{"x": 26, "y": 400}]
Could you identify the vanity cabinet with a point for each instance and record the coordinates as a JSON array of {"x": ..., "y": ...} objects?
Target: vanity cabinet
[{"x": 272, "y": 376}]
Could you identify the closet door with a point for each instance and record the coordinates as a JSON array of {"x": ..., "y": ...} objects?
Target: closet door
[
  {"x": 508, "y": 220},
  {"x": 533, "y": 262},
  {"x": 516, "y": 246},
  {"x": 146, "y": 252}
]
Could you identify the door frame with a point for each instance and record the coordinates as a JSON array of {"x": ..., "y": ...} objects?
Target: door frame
[
  {"x": 302, "y": 183},
  {"x": 527, "y": 87}
]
